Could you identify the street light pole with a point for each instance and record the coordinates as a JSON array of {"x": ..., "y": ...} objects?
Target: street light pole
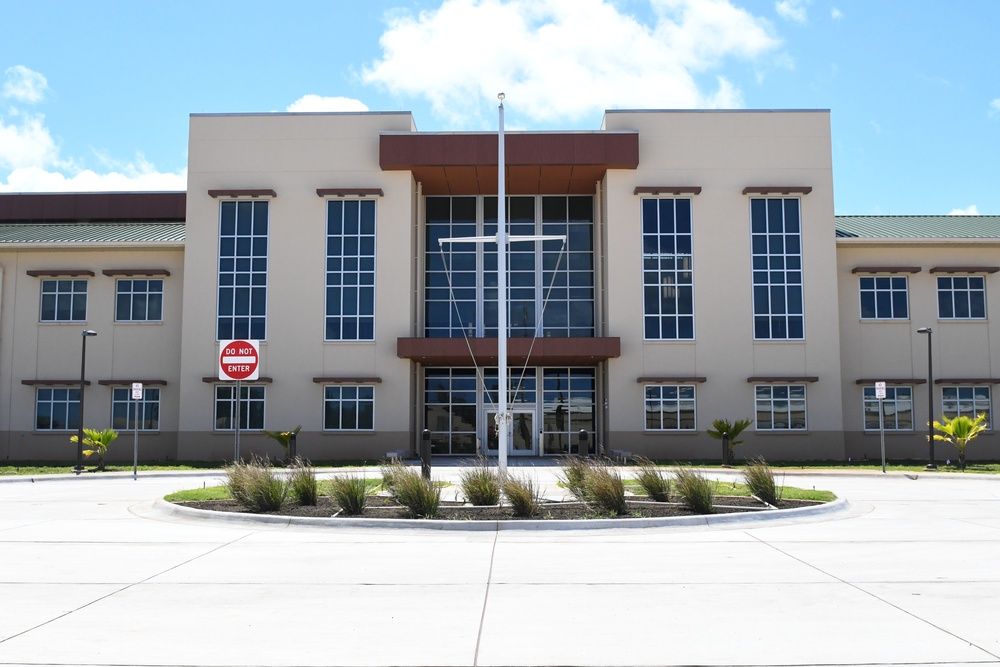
[
  {"x": 87, "y": 333},
  {"x": 930, "y": 397}
]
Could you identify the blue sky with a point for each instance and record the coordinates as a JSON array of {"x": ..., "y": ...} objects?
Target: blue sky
[{"x": 96, "y": 95}]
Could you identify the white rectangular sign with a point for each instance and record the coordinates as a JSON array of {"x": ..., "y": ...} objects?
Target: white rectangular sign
[
  {"x": 136, "y": 391},
  {"x": 880, "y": 390}
]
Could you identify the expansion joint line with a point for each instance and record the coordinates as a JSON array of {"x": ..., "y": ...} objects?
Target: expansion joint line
[
  {"x": 486, "y": 597},
  {"x": 872, "y": 595},
  {"x": 122, "y": 589}
]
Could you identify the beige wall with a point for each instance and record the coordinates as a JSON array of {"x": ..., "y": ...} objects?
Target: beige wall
[
  {"x": 295, "y": 154},
  {"x": 51, "y": 351},
  {"x": 723, "y": 152},
  {"x": 894, "y": 349}
]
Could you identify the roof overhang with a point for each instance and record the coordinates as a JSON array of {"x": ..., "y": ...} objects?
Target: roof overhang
[
  {"x": 520, "y": 351},
  {"x": 536, "y": 162},
  {"x": 93, "y": 206}
]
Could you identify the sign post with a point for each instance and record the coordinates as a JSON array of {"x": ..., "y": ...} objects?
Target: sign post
[
  {"x": 136, "y": 397},
  {"x": 238, "y": 360},
  {"x": 880, "y": 395}
]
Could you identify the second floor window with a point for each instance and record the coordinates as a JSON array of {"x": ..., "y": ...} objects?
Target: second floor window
[
  {"x": 667, "y": 278},
  {"x": 776, "y": 256},
  {"x": 350, "y": 270},
  {"x": 63, "y": 301},
  {"x": 961, "y": 297},
  {"x": 139, "y": 301},
  {"x": 884, "y": 298},
  {"x": 242, "y": 307}
]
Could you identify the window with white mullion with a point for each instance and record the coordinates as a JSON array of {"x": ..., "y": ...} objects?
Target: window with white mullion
[
  {"x": 884, "y": 298},
  {"x": 780, "y": 407},
  {"x": 897, "y": 409},
  {"x": 970, "y": 401},
  {"x": 670, "y": 407},
  {"x": 242, "y": 285},
  {"x": 667, "y": 275},
  {"x": 776, "y": 258},
  {"x": 961, "y": 297}
]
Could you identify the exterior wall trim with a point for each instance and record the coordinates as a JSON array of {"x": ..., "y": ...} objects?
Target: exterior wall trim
[
  {"x": 777, "y": 190},
  {"x": 667, "y": 190},
  {"x": 965, "y": 269},
  {"x": 764, "y": 379},
  {"x": 670, "y": 379},
  {"x": 235, "y": 194},
  {"x": 350, "y": 192},
  {"x": 886, "y": 269},
  {"x": 967, "y": 381},
  {"x": 135, "y": 272},
  {"x": 55, "y": 383},
  {"x": 347, "y": 380},
  {"x": 902, "y": 381},
  {"x": 38, "y": 273},
  {"x": 119, "y": 383}
]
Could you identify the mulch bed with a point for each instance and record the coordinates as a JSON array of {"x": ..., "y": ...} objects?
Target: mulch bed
[{"x": 380, "y": 508}]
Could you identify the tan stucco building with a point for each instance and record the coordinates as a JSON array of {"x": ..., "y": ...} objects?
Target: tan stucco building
[{"x": 703, "y": 275}]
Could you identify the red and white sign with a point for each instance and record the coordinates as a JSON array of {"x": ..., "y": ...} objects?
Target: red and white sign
[
  {"x": 880, "y": 390},
  {"x": 238, "y": 359},
  {"x": 136, "y": 391}
]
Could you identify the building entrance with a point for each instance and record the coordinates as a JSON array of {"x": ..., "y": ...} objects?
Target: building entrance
[{"x": 521, "y": 435}]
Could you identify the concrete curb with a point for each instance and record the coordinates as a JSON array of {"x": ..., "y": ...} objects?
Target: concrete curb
[{"x": 836, "y": 507}]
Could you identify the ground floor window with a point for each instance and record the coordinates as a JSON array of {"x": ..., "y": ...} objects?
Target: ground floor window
[
  {"x": 550, "y": 407},
  {"x": 780, "y": 407},
  {"x": 897, "y": 409},
  {"x": 123, "y": 409},
  {"x": 251, "y": 407},
  {"x": 670, "y": 407},
  {"x": 57, "y": 409},
  {"x": 969, "y": 401},
  {"x": 349, "y": 408}
]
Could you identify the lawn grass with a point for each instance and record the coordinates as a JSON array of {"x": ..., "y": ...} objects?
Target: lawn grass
[
  {"x": 36, "y": 468},
  {"x": 723, "y": 488},
  {"x": 207, "y": 493}
]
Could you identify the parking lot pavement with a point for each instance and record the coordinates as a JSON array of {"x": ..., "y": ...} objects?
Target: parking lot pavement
[{"x": 92, "y": 574}]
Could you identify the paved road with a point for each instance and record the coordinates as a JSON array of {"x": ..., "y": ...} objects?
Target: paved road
[{"x": 91, "y": 574}]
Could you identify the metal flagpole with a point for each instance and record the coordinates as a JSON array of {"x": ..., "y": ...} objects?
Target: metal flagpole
[{"x": 503, "y": 417}]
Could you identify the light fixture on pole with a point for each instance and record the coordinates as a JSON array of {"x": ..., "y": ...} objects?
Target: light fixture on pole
[
  {"x": 930, "y": 397},
  {"x": 87, "y": 333}
]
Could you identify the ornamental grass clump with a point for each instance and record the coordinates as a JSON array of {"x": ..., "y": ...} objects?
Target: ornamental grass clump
[
  {"x": 604, "y": 489},
  {"x": 652, "y": 480},
  {"x": 351, "y": 493},
  {"x": 390, "y": 472},
  {"x": 523, "y": 495},
  {"x": 695, "y": 490},
  {"x": 302, "y": 482},
  {"x": 480, "y": 483},
  {"x": 420, "y": 496},
  {"x": 255, "y": 485},
  {"x": 574, "y": 472},
  {"x": 759, "y": 477}
]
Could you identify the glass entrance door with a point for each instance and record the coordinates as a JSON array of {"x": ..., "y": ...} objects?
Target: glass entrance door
[{"x": 521, "y": 437}]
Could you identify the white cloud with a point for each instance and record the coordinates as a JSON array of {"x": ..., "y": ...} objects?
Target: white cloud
[
  {"x": 30, "y": 161},
  {"x": 969, "y": 210},
  {"x": 836, "y": 14},
  {"x": 559, "y": 59},
  {"x": 318, "y": 103},
  {"x": 792, "y": 10},
  {"x": 24, "y": 85},
  {"x": 995, "y": 107}
]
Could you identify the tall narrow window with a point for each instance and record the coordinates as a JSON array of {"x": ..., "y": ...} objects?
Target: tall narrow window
[
  {"x": 350, "y": 270},
  {"x": 450, "y": 280},
  {"x": 776, "y": 255},
  {"x": 450, "y": 409},
  {"x": 667, "y": 278},
  {"x": 243, "y": 233}
]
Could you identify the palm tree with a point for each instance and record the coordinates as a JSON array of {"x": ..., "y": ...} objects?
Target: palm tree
[
  {"x": 960, "y": 431},
  {"x": 286, "y": 439},
  {"x": 98, "y": 442},
  {"x": 723, "y": 427}
]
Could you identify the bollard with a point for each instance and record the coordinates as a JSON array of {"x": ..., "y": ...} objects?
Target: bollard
[
  {"x": 584, "y": 448},
  {"x": 726, "y": 458},
  {"x": 425, "y": 453}
]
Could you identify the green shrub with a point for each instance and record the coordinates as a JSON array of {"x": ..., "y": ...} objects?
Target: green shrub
[
  {"x": 523, "y": 495},
  {"x": 420, "y": 496},
  {"x": 302, "y": 482},
  {"x": 604, "y": 489},
  {"x": 255, "y": 485},
  {"x": 350, "y": 492},
  {"x": 481, "y": 483},
  {"x": 574, "y": 472},
  {"x": 652, "y": 480},
  {"x": 695, "y": 490},
  {"x": 760, "y": 478}
]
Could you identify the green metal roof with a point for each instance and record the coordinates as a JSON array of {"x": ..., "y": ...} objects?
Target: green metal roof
[
  {"x": 92, "y": 232},
  {"x": 918, "y": 226}
]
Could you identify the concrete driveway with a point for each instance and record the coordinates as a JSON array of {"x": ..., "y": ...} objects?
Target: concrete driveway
[{"x": 92, "y": 574}]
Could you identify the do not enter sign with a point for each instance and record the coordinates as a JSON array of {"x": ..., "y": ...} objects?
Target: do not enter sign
[{"x": 238, "y": 359}]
